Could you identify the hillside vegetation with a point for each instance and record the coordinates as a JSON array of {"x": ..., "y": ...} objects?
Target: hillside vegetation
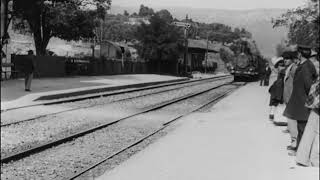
[{"x": 256, "y": 21}]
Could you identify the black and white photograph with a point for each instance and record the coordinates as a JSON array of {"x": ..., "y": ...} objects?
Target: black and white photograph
[{"x": 160, "y": 89}]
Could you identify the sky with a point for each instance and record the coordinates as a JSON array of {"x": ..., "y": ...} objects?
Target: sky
[{"x": 215, "y": 4}]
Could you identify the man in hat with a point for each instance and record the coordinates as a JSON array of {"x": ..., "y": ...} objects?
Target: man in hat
[
  {"x": 303, "y": 78},
  {"x": 28, "y": 69}
]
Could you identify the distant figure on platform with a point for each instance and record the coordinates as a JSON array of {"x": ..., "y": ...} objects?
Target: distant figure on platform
[
  {"x": 28, "y": 70},
  {"x": 276, "y": 89},
  {"x": 265, "y": 76},
  {"x": 304, "y": 77}
]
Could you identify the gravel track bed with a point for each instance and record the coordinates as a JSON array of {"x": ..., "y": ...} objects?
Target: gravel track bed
[
  {"x": 19, "y": 137},
  {"x": 36, "y": 111},
  {"x": 108, "y": 99},
  {"x": 62, "y": 161},
  {"x": 120, "y": 158}
]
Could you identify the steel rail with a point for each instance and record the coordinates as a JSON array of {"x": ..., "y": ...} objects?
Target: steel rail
[
  {"x": 90, "y": 106},
  {"x": 165, "y": 125},
  {"x": 43, "y": 147},
  {"x": 97, "y": 95}
]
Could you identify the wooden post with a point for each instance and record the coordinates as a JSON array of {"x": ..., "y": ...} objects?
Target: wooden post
[
  {"x": 186, "y": 47},
  {"x": 205, "y": 68}
]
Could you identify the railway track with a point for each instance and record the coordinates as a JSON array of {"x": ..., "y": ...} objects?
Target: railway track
[
  {"x": 174, "y": 102},
  {"x": 97, "y": 95},
  {"x": 42, "y": 147},
  {"x": 164, "y": 126},
  {"x": 185, "y": 85}
]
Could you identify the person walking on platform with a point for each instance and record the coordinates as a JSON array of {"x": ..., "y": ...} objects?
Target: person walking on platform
[
  {"x": 265, "y": 76},
  {"x": 276, "y": 89},
  {"x": 28, "y": 69},
  {"x": 304, "y": 76}
]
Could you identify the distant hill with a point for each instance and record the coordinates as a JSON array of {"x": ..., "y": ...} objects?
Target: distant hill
[{"x": 257, "y": 21}]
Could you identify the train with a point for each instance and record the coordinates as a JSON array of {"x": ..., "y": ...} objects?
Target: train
[{"x": 247, "y": 63}]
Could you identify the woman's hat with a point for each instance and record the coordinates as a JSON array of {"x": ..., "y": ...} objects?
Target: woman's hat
[{"x": 276, "y": 60}]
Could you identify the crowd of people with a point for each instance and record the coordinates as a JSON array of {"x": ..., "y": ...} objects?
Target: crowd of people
[{"x": 297, "y": 88}]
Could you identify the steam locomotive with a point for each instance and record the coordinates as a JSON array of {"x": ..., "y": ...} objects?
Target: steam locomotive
[{"x": 247, "y": 62}]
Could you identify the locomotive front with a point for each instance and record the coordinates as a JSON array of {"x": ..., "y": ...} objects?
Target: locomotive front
[{"x": 245, "y": 67}]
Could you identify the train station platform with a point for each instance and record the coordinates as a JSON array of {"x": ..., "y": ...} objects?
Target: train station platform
[
  {"x": 13, "y": 94},
  {"x": 235, "y": 140}
]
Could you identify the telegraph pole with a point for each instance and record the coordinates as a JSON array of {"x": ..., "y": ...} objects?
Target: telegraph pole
[
  {"x": 205, "y": 68},
  {"x": 186, "y": 46}
]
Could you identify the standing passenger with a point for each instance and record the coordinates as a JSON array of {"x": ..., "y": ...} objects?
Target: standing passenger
[
  {"x": 265, "y": 76},
  {"x": 304, "y": 76},
  {"x": 276, "y": 89},
  {"x": 290, "y": 59},
  {"x": 268, "y": 73},
  {"x": 308, "y": 151}
]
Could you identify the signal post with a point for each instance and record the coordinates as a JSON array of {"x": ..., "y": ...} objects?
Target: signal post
[{"x": 186, "y": 27}]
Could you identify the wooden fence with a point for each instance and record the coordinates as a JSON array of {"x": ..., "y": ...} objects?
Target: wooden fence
[{"x": 55, "y": 66}]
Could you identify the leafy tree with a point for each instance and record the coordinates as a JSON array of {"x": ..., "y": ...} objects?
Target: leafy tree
[
  {"x": 66, "y": 19},
  {"x": 115, "y": 28},
  {"x": 145, "y": 11},
  {"x": 165, "y": 14},
  {"x": 159, "y": 40},
  {"x": 303, "y": 23},
  {"x": 134, "y": 14},
  {"x": 125, "y": 13}
]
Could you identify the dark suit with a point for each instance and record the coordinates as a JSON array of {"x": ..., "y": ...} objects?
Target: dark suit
[
  {"x": 303, "y": 78},
  {"x": 28, "y": 69},
  {"x": 265, "y": 76}
]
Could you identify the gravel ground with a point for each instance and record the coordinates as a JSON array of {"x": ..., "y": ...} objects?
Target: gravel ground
[
  {"x": 62, "y": 161},
  {"x": 16, "y": 138},
  {"x": 36, "y": 111}
]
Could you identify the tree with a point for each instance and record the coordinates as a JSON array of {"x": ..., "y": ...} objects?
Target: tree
[
  {"x": 125, "y": 13},
  {"x": 159, "y": 40},
  {"x": 145, "y": 11},
  {"x": 115, "y": 28},
  {"x": 165, "y": 14},
  {"x": 303, "y": 23},
  {"x": 66, "y": 19}
]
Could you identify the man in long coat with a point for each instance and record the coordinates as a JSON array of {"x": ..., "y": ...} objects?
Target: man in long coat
[
  {"x": 304, "y": 76},
  {"x": 268, "y": 73},
  {"x": 265, "y": 75}
]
